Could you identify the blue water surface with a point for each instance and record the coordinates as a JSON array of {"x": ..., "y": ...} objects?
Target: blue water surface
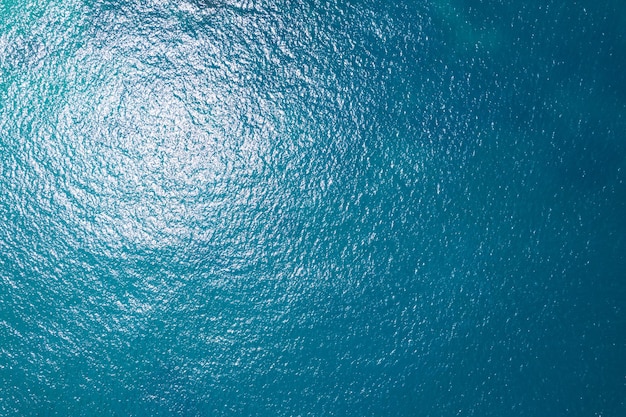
[{"x": 306, "y": 208}]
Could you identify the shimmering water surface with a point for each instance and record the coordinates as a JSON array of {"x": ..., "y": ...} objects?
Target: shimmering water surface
[{"x": 370, "y": 208}]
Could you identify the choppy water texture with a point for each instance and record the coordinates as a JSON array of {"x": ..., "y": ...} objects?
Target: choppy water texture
[{"x": 312, "y": 208}]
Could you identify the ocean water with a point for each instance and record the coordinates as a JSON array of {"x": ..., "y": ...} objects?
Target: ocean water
[{"x": 307, "y": 208}]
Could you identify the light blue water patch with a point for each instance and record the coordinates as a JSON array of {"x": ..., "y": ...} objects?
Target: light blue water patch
[{"x": 265, "y": 208}]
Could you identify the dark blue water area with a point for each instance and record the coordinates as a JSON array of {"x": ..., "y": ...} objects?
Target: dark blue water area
[{"x": 221, "y": 208}]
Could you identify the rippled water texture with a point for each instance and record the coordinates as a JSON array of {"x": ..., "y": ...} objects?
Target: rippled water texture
[{"x": 305, "y": 208}]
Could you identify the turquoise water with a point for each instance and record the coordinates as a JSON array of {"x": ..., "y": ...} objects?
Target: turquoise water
[{"x": 312, "y": 208}]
